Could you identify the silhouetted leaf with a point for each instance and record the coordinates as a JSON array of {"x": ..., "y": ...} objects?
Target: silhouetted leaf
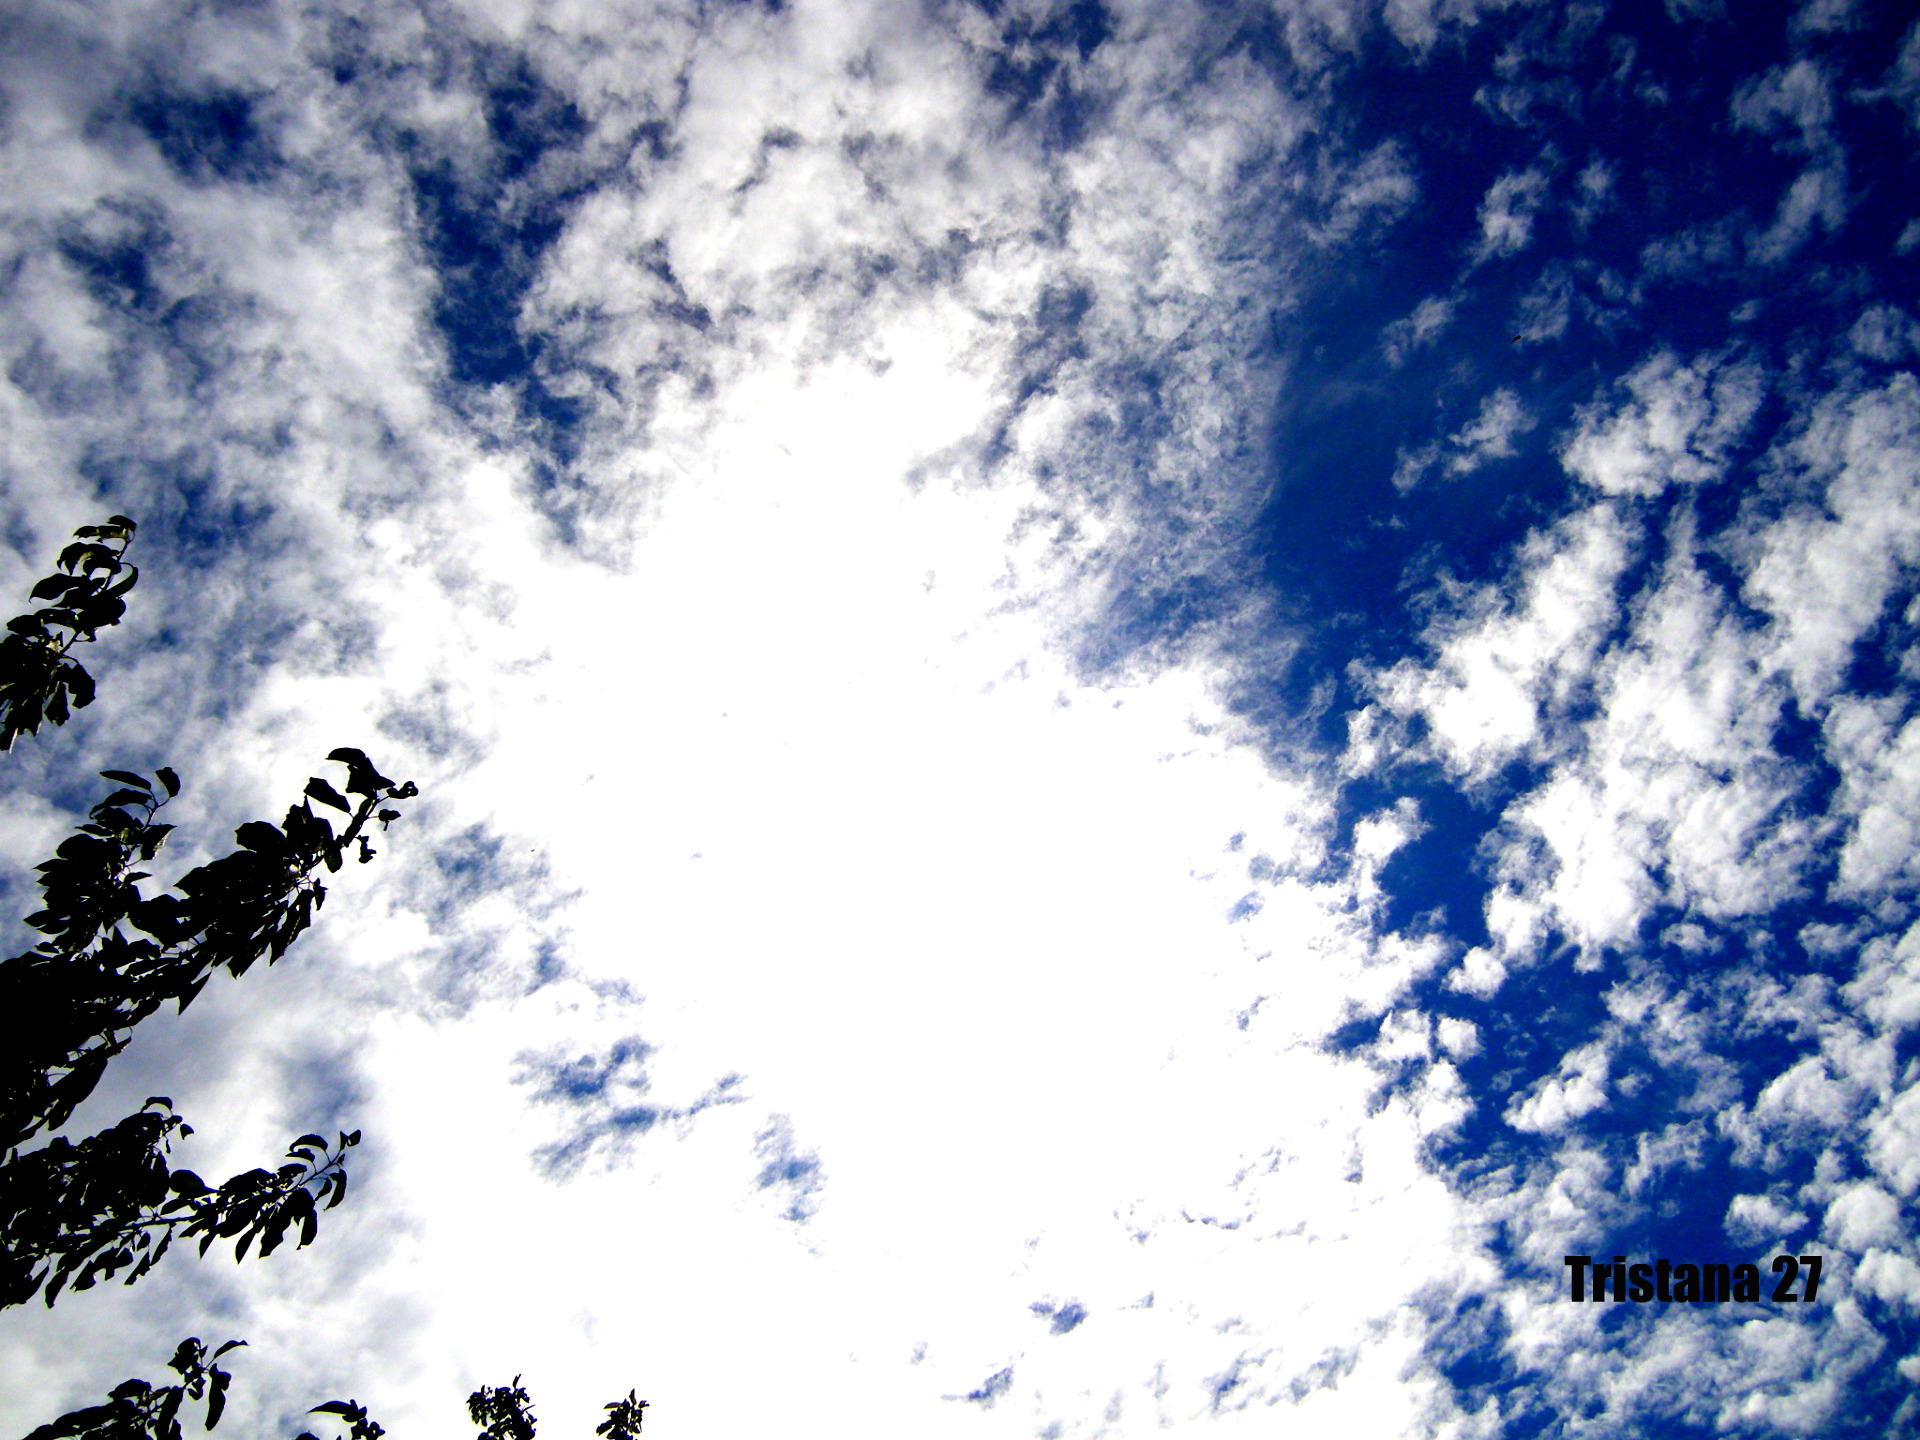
[
  {"x": 217, "y": 1397},
  {"x": 323, "y": 792},
  {"x": 258, "y": 835},
  {"x": 624, "y": 1418}
]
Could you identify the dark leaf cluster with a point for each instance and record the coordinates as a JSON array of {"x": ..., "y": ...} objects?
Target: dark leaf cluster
[
  {"x": 113, "y": 956},
  {"x": 74, "y": 1215},
  {"x": 138, "y": 1410},
  {"x": 504, "y": 1412},
  {"x": 39, "y": 680},
  {"x": 623, "y": 1419},
  {"x": 361, "y": 1426}
]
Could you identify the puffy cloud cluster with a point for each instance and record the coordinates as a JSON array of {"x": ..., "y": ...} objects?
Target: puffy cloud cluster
[
  {"x": 1678, "y": 425},
  {"x": 1697, "y": 769}
]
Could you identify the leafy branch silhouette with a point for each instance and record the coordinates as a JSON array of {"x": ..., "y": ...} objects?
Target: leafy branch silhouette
[
  {"x": 138, "y": 1410},
  {"x": 39, "y": 680},
  {"x": 73, "y": 1214},
  {"x": 505, "y": 1412}
]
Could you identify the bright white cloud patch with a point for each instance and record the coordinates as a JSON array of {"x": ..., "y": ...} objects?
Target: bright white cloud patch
[{"x": 1676, "y": 424}]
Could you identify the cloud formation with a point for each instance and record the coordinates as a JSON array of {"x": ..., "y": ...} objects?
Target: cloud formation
[{"x": 1212, "y": 678}]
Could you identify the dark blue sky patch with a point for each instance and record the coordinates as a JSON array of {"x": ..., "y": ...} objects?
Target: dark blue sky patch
[
  {"x": 1468, "y": 1344},
  {"x": 1062, "y": 1319},
  {"x": 1221, "y": 1387},
  {"x": 161, "y": 315},
  {"x": 486, "y": 222},
  {"x": 574, "y": 1078},
  {"x": 484, "y": 261},
  {"x": 1340, "y": 549},
  {"x": 989, "y": 1390},
  {"x": 205, "y": 521},
  {"x": 604, "y": 1101},
  {"x": 1651, "y": 231},
  {"x": 1149, "y": 611},
  {"x": 470, "y": 863},
  {"x": 210, "y": 137},
  {"x": 118, "y": 266},
  {"x": 1034, "y": 71},
  {"x": 1437, "y": 881},
  {"x": 787, "y": 1170},
  {"x": 549, "y": 964}
]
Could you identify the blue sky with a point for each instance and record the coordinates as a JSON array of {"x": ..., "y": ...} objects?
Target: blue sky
[{"x": 1120, "y": 707}]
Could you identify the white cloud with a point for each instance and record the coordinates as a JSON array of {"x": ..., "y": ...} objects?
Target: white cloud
[
  {"x": 1863, "y": 1215},
  {"x": 1893, "y": 1142},
  {"x": 1759, "y": 1221},
  {"x": 1460, "y": 1038},
  {"x": 1886, "y": 988},
  {"x": 1891, "y": 1276},
  {"x": 1902, "y": 84},
  {"x": 1546, "y": 309},
  {"x": 1879, "y": 764},
  {"x": 1796, "y": 101},
  {"x": 1595, "y": 184},
  {"x": 1490, "y": 434},
  {"x": 1498, "y": 661},
  {"x": 1676, "y": 424},
  {"x": 1507, "y": 213},
  {"x": 1419, "y": 24},
  {"x": 1885, "y": 333},
  {"x": 779, "y": 722},
  {"x": 1799, "y": 96},
  {"x": 1817, "y": 197},
  {"x": 1821, "y": 16},
  {"x": 1578, "y": 1088},
  {"x": 1825, "y": 574},
  {"x": 1427, "y": 322},
  {"x": 1376, "y": 190}
]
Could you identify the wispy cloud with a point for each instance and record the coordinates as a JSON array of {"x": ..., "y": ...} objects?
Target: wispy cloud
[{"x": 1507, "y": 213}]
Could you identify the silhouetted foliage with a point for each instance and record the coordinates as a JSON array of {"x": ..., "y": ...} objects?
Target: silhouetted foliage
[
  {"x": 623, "y": 1419},
  {"x": 138, "y": 1410},
  {"x": 73, "y": 1214},
  {"x": 39, "y": 680},
  {"x": 75, "y": 997},
  {"x": 504, "y": 1412},
  {"x": 361, "y": 1426},
  {"x": 82, "y": 1213}
]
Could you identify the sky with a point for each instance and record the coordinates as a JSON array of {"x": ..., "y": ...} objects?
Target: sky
[{"x": 1120, "y": 707}]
